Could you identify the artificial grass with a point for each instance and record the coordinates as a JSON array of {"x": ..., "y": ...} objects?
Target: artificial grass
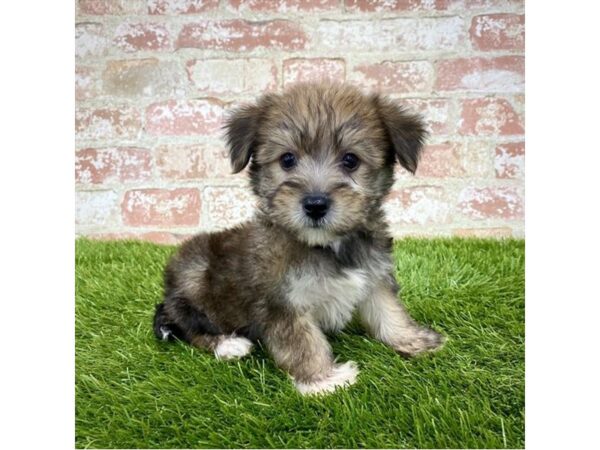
[{"x": 133, "y": 391}]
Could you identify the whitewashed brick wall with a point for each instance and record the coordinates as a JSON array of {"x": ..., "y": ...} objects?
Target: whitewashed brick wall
[{"x": 154, "y": 79}]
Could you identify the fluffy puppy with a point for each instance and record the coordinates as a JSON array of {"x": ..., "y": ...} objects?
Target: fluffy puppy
[{"x": 321, "y": 162}]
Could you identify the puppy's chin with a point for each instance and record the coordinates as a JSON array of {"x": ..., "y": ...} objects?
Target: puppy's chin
[{"x": 317, "y": 236}]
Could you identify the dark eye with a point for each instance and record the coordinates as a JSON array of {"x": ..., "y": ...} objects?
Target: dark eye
[
  {"x": 287, "y": 161},
  {"x": 350, "y": 161}
]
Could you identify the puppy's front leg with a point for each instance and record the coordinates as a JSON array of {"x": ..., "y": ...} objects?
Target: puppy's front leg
[
  {"x": 300, "y": 347},
  {"x": 387, "y": 320}
]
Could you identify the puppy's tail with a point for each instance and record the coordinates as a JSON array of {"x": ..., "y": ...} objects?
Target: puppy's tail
[{"x": 164, "y": 328}]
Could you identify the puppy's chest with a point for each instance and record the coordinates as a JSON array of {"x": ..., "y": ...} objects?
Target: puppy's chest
[{"x": 329, "y": 298}]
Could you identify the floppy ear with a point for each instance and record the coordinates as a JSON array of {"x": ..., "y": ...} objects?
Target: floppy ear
[
  {"x": 406, "y": 132},
  {"x": 241, "y": 129}
]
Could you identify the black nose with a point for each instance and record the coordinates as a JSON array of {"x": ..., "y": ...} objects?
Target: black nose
[{"x": 315, "y": 206}]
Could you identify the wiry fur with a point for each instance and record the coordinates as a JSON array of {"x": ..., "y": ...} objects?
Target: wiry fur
[{"x": 283, "y": 277}]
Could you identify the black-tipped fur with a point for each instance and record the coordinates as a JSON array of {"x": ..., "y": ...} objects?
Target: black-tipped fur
[
  {"x": 283, "y": 278},
  {"x": 406, "y": 132},
  {"x": 241, "y": 133},
  {"x": 177, "y": 318}
]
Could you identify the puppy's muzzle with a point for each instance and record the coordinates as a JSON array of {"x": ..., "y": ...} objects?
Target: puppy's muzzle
[{"x": 316, "y": 206}]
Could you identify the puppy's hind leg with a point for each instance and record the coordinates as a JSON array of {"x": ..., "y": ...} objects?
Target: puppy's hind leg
[
  {"x": 178, "y": 318},
  {"x": 388, "y": 321}
]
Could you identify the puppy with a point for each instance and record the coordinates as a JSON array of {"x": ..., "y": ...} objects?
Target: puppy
[{"x": 321, "y": 160}]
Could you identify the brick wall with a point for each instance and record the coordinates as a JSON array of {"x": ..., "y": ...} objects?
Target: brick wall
[{"x": 154, "y": 79}]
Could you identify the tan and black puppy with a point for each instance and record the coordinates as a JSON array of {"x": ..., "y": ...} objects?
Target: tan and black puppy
[{"x": 321, "y": 162}]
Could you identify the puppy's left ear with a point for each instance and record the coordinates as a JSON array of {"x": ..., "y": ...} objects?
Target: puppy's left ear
[
  {"x": 406, "y": 132},
  {"x": 241, "y": 130}
]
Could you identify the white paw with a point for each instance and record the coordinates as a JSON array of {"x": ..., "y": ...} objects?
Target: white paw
[
  {"x": 233, "y": 347},
  {"x": 342, "y": 375}
]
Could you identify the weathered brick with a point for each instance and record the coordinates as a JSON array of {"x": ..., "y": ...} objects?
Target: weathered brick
[
  {"x": 233, "y": 76},
  {"x": 111, "y": 7},
  {"x": 161, "y": 207},
  {"x": 181, "y": 6},
  {"x": 501, "y": 74},
  {"x": 395, "y": 5},
  {"x": 86, "y": 83},
  {"x": 112, "y": 165},
  {"x": 227, "y": 206},
  {"x": 491, "y": 203},
  {"x": 435, "y": 113},
  {"x": 494, "y": 232},
  {"x": 418, "y": 205},
  {"x": 455, "y": 160},
  {"x": 485, "y": 4},
  {"x": 184, "y": 117},
  {"x": 395, "y": 77},
  {"x": 398, "y": 35},
  {"x": 440, "y": 160},
  {"x": 489, "y": 117},
  {"x": 509, "y": 160},
  {"x": 107, "y": 123},
  {"x": 192, "y": 162},
  {"x": 135, "y": 37},
  {"x": 242, "y": 35},
  {"x": 313, "y": 69},
  {"x": 96, "y": 208},
  {"x": 90, "y": 40},
  {"x": 498, "y": 32},
  {"x": 283, "y": 6},
  {"x": 143, "y": 78}
]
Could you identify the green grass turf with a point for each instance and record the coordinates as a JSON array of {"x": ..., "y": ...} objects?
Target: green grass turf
[{"x": 133, "y": 391}]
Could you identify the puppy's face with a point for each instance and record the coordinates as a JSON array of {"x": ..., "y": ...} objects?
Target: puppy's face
[{"x": 322, "y": 156}]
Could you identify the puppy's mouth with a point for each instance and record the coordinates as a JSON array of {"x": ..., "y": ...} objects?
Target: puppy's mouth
[{"x": 317, "y": 223}]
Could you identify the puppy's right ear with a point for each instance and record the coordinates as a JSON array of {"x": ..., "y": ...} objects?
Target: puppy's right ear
[{"x": 241, "y": 133}]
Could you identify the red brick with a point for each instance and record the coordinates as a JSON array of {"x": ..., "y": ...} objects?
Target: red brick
[
  {"x": 143, "y": 78},
  {"x": 509, "y": 160},
  {"x": 495, "y": 232},
  {"x": 283, "y": 6},
  {"x": 184, "y": 117},
  {"x": 440, "y": 161},
  {"x": 233, "y": 76},
  {"x": 161, "y": 207},
  {"x": 90, "y": 40},
  {"x": 112, "y": 165},
  {"x": 489, "y": 117},
  {"x": 134, "y": 37},
  {"x": 86, "y": 83},
  {"x": 498, "y": 32},
  {"x": 491, "y": 203},
  {"x": 181, "y": 6},
  {"x": 476, "y": 4},
  {"x": 110, "y": 7},
  {"x": 192, "y": 162},
  {"x": 418, "y": 205},
  {"x": 107, "y": 123},
  {"x": 394, "y": 34},
  {"x": 227, "y": 206},
  {"x": 435, "y": 112},
  {"x": 501, "y": 74},
  {"x": 395, "y": 77},
  {"x": 96, "y": 208},
  {"x": 395, "y": 5},
  {"x": 455, "y": 160},
  {"x": 313, "y": 69},
  {"x": 158, "y": 237},
  {"x": 242, "y": 35}
]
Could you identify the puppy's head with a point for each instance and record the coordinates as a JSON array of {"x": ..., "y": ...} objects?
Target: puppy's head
[{"x": 322, "y": 156}]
